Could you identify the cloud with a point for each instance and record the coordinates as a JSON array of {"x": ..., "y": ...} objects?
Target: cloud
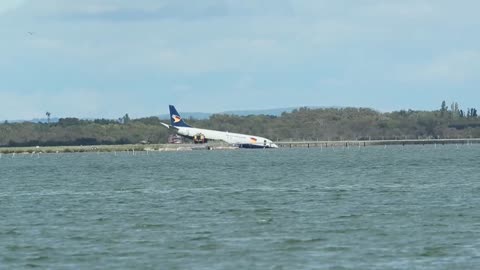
[
  {"x": 24, "y": 106},
  {"x": 278, "y": 47},
  {"x": 83, "y": 102},
  {"x": 119, "y": 10},
  {"x": 452, "y": 67},
  {"x": 45, "y": 43},
  {"x": 9, "y": 5},
  {"x": 407, "y": 9},
  {"x": 115, "y": 10}
]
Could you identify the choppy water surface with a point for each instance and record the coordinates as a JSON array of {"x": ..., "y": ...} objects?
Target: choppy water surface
[{"x": 370, "y": 208}]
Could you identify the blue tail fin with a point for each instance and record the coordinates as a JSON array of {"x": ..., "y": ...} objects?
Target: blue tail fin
[{"x": 175, "y": 118}]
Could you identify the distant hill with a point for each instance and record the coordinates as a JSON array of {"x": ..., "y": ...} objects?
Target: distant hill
[
  {"x": 187, "y": 115},
  {"x": 36, "y": 120},
  {"x": 204, "y": 116},
  {"x": 194, "y": 115}
]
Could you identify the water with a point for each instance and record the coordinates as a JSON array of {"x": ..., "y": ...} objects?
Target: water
[{"x": 369, "y": 208}]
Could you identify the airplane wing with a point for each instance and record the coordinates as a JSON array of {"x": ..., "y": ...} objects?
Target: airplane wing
[{"x": 168, "y": 126}]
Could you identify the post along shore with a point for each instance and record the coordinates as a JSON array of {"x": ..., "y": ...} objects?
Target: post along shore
[
  {"x": 365, "y": 143},
  {"x": 222, "y": 146}
]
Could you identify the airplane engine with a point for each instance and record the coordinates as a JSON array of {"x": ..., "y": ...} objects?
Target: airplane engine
[{"x": 199, "y": 138}]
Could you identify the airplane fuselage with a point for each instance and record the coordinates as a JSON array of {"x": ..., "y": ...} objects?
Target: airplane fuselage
[{"x": 241, "y": 140}]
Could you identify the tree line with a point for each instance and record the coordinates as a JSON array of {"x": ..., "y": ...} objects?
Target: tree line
[{"x": 300, "y": 124}]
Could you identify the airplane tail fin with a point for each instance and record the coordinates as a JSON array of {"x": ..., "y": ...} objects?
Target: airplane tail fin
[{"x": 175, "y": 118}]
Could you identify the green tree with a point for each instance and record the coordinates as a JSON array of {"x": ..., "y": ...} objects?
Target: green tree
[
  {"x": 456, "y": 110},
  {"x": 126, "y": 119},
  {"x": 443, "y": 108}
]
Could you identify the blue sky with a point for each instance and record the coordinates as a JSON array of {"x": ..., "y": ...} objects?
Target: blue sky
[{"x": 105, "y": 58}]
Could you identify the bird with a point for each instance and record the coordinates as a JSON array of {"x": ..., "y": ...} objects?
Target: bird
[{"x": 31, "y": 33}]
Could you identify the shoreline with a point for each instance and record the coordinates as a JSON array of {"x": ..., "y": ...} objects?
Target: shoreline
[
  {"x": 111, "y": 148},
  {"x": 221, "y": 146},
  {"x": 365, "y": 143}
]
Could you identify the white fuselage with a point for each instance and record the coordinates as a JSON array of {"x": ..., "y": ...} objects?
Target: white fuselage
[{"x": 231, "y": 138}]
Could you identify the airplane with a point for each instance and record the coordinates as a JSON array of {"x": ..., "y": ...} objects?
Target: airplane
[{"x": 237, "y": 139}]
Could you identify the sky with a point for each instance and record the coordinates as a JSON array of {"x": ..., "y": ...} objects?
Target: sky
[{"x": 105, "y": 58}]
